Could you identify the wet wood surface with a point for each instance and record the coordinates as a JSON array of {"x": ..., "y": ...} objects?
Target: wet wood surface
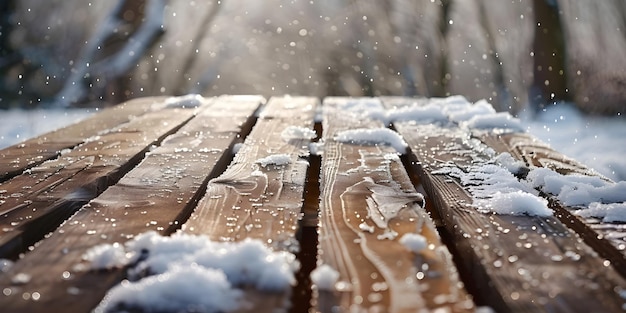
[
  {"x": 43, "y": 197},
  {"x": 32, "y": 152},
  {"x": 368, "y": 203},
  {"x": 252, "y": 199},
  {"x": 152, "y": 165},
  {"x": 157, "y": 195},
  {"x": 516, "y": 263}
]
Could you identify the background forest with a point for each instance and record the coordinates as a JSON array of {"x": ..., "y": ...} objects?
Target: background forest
[{"x": 62, "y": 53}]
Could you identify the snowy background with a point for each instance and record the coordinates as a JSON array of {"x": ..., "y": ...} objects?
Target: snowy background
[{"x": 598, "y": 142}]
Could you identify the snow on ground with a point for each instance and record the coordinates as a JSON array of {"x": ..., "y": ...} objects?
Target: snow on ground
[
  {"x": 598, "y": 142},
  {"x": 19, "y": 125}
]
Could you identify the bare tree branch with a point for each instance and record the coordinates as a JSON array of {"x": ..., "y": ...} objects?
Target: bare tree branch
[{"x": 90, "y": 70}]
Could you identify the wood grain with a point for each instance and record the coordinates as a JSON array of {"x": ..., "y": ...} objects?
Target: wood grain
[
  {"x": 156, "y": 195},
  {"x": 264, "y": 202},
  {"x": 45, "y": 196},
  {"x": 32, "y": 152},
  {"x": 517, "y": 263},
  {"x": 367, "y": 204}
]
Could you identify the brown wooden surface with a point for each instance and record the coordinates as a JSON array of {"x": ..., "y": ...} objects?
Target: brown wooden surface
[
  {"x": 156, "y": 195},
  {"x": 150, "y": 166},
  {"x": 516, "y": 263},
  {"x": 252, "y": 201},
  {"x": 379, "y": 275},
  {"x": 608, "y": 239},
  {"x": 32, "y": 152},
  {"x": 42, "y": 198}
]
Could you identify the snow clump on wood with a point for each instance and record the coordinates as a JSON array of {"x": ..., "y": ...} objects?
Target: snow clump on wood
[
  {"x": 297, "y": 132},
  {"x": 182, "y": 271},
  {"x": 275, "y": 159},
  {"x": 414, "y": 242},
  {"x": 373, "y": 136},
  {"x": 325, "y": 277}
]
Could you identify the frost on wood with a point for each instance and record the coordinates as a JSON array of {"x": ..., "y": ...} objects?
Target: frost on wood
[{"x": 191, "y": 271}]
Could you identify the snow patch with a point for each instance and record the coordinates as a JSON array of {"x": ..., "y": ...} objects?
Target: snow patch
[
  {"x": 373, "y": 136},
  {"x": 511, "y": 164},
  {"x": 192, "y": 271},
  {"x": 609, "y": 213},
  {"x": 297, "y": 132},
  {"x": 514, "y": 203},
  {"x": 106, "y": 256},
  {"x": 463, "y": 112},
  {"x": 5, "y": 265},
  {"x": 576, "y": 189},
  {"x": 430, "y": 113},
  {"x": 414, "y": 242},
  {"x": 180, "y": 289},
  {"x": 316, "y": 148},
  {"x": 275, "y": 159},
  {"x": 501, "y": 120},
  {"x": 185, "y": 102},
  {"x": 325, "y": 277},
  {"x": 495, "y": 189}
]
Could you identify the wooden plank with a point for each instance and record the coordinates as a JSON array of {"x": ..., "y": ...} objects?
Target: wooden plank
[
  {"x": 608, "y": 239},
  {"x": 516, "y": 263},
  {"x": 250, "y": 200},
  {"x": 367, "y": 204},
  {"x": 32, "y": 152},
  {"x": 156, "y": 195},
  {"x": 40, "y": 199}
]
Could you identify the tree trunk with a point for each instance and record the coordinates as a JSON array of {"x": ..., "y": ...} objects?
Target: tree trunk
[{"x": 549, "y": 75}]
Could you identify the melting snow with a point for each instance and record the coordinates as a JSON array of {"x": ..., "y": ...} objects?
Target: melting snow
[{"x": 191, "y": 270}]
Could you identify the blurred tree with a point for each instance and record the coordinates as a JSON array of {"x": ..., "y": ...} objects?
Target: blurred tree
[
  {"x": 72, "y": 51},
  {"x": 119, "y": 43},
  {"x": 441, "y": 85},
  {"x": 502, "y": 100},
  {"x": 8, "y": 56},
  {"x": 549, "y": 55}
]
